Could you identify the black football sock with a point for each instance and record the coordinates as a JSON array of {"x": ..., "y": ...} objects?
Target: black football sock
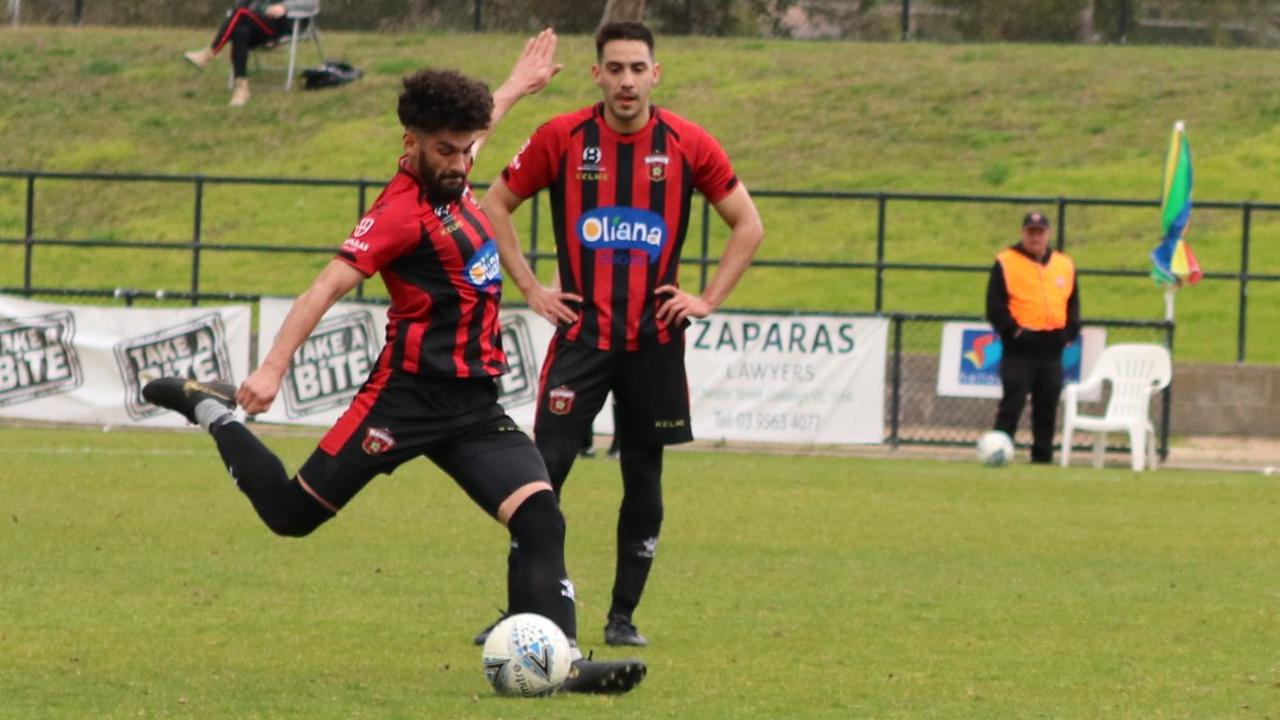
[
  {"x": 542, "y": 583},
  {"x": 639, "y": 524},
  {"x": 281, "y": 502}
]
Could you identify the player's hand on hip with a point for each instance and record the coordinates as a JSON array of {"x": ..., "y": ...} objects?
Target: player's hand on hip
[
  {"x": 680, "y": 306},
  {"x": 554, "y": 305},
  {"x": 258, "y": 391}
]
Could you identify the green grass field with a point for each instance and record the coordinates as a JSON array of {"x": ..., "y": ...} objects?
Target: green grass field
[
  {"x": 135, "y": 581},
  {"x": 1004, "y": 119}
]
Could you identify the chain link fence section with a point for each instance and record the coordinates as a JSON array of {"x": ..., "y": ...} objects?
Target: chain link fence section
[{"x": 917, "y": 415}]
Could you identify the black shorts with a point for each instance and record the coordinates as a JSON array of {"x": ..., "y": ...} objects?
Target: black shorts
[
  {"x": 456, "y": 423},
  {"x": 649, "y": 385}
]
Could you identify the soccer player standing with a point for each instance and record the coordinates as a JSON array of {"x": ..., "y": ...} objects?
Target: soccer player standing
[
  {"x": 433, "y": 390},
  {"x": 621, "y": 175}
]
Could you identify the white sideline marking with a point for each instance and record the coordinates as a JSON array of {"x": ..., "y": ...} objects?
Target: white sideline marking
[{"x": 92, "y": 451}]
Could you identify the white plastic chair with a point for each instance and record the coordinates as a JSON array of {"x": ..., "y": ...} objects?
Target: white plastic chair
[
  {"x": 304, "y": 29},
  {"x": 1136, "y": 372}
]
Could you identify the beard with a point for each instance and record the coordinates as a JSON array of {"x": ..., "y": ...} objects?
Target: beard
[{"x": 441, "y": 186}]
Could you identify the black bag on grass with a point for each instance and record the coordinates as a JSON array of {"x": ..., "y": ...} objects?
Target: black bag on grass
[{"x": 331, "y": 74}]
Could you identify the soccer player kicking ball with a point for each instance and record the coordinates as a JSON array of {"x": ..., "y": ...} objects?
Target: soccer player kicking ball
[
  {"x": 621, "y": 175},
  {"x": 433, "y": 390}
]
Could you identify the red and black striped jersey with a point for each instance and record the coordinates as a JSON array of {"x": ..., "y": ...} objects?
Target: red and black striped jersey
[
  {"x": 440, "y": 265},
  {"x": 620, "y": 205}
]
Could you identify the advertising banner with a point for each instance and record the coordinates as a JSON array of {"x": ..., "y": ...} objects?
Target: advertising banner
[
  {"x": 87, "y": 364},
  {"x": 764, "y": 378},
  {"x": 788, "y": 379},
  {"x": 969, "y": 365},
  {"x": 329, "y": 368}
]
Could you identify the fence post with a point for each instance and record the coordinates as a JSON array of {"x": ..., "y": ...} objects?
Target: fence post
[
  {"x": 706, "y": 244},
  {"x": 1167, "y": 396},
  {"x": 895, "y": 384},
  {"x": 195, "y": 240},
  {"x": 906, "y": 19},
  {"x": 1243, "y": 311},
  {"x": 28, "y": 235},
  {"x": 533, "y": 237},
  {"x": 79, "y": 12},
  {"x": 362, "y": 200},
  {"x": 479, "y": 14},
  {"x": 688, "y": 17},
  {"x": 15, "y": 10},
  {"x": 881, "y": 202},
  {"x": 1124, "y": 21},
  {"x": 1062, "y": 223}
]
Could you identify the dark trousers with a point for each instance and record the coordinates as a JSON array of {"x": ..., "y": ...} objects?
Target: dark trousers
[
  {"x": 1041, "y": 376},
  {"x": 245, "y": 30}
]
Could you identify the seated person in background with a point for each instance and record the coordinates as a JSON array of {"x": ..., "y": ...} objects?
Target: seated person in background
[{"x": 250, "y": 24}]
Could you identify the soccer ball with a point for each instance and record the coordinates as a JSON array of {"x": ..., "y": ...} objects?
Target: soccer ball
[
  {"x": 526, "y": 655},
  {"x": 995, "y": 449}
]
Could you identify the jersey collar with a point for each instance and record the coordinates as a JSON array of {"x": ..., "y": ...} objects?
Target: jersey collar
[{"x": 637, "y": 136}]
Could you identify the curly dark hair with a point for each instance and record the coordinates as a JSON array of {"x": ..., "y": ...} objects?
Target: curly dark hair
[
  {"x": 435, "y": 100},
  {"x": 622, "y": 31}
]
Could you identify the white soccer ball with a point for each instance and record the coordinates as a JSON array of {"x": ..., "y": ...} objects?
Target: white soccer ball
[
  {"x": 995, "y": 449},
  {"x": 526, "y": 655}
]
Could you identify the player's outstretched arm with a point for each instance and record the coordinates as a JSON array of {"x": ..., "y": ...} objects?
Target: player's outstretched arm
[
  {"x": 258, "y": 391},
  {"x": 746, "y": 232},
  {"x": 498, "y": 204},
  {"x": 533, "y": 71}
]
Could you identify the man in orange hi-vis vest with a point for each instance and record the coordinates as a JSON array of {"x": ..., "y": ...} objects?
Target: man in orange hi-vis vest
[{"x": 1033, "y": 302}]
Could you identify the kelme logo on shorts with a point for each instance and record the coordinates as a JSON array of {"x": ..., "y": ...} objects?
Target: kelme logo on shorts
[
  {"x": 329, "y": 367},
  {"x": 37, "y": 357},
  {"x": 196, "y": 351},
  {"x": 484, "y": 269},
  {"x": 623, "y": 228}
]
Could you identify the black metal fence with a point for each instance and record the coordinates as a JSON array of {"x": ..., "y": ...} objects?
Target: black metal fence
[
  {"x": 878, "y": 267},
  {"x": 916, "y": 414}
]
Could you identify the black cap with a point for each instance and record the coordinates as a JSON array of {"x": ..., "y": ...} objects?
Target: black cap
[{"x": 1035, "y": 219}]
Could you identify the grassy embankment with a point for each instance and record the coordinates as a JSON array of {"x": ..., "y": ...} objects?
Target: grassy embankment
[{"x": 1003, "y": 119}]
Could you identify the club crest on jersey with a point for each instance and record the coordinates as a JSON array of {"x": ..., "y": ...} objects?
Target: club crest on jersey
[
  {"x": 377, "y": 441},
  {"x": 484, "y": 270},
  {"x": 623, "y": 228},
  {"x": 657, "y": 165},
  {"x": 560, "y": 400}
]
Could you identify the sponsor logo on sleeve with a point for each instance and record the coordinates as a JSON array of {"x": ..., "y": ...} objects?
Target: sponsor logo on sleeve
[
  {"x": 196, "y": 350},
  {"x": 484, "y": 268},
  {"x": 520, "y": 385},
  {"x": 353, "y": 243},
  {"x": 330, "y": 366},
  {"x": 623, "y": 228},
  {"x": 37, "y": 357},
  {"x": 515, "y": 161}
]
